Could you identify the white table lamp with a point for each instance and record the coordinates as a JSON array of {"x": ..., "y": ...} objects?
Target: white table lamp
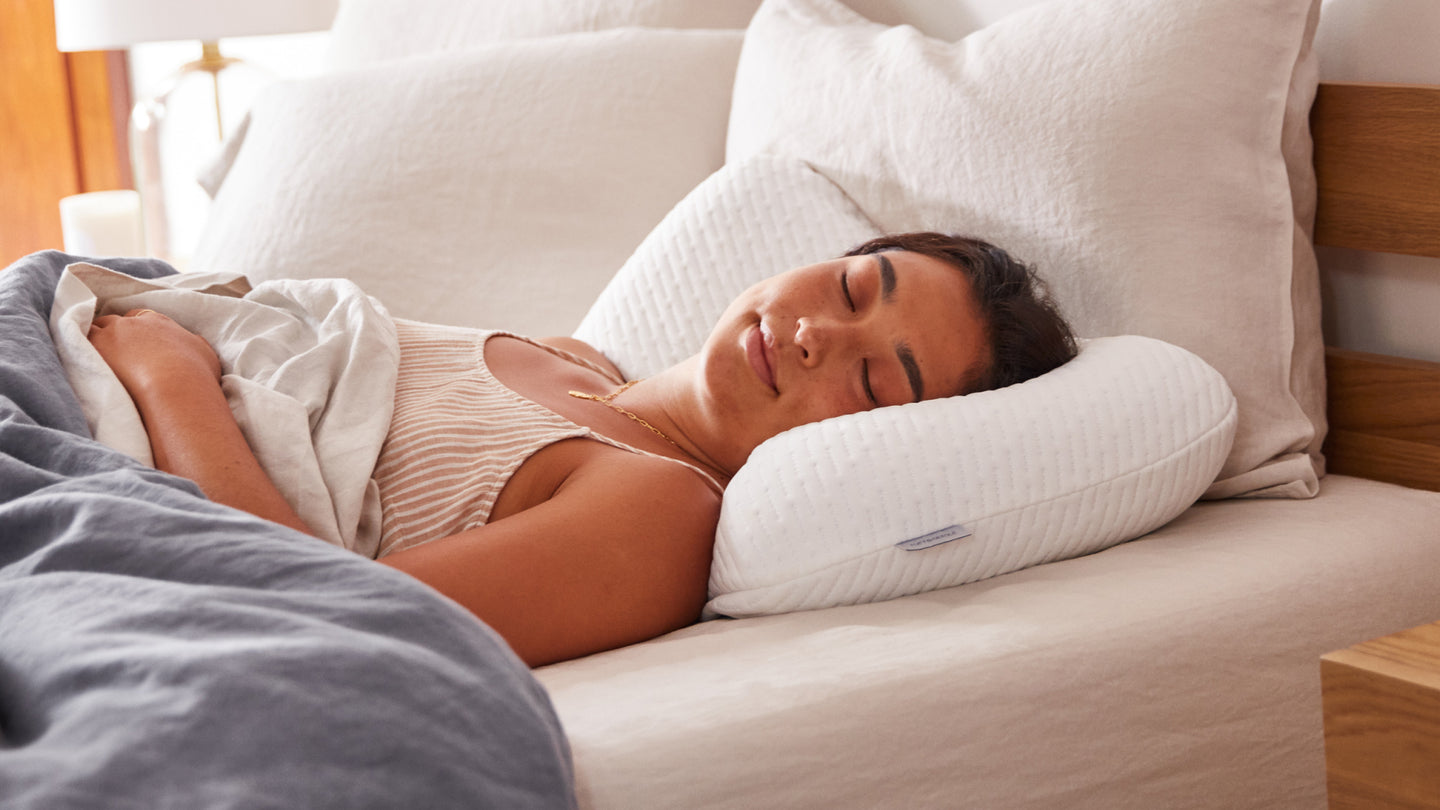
[{"x": 178, "y": 125}]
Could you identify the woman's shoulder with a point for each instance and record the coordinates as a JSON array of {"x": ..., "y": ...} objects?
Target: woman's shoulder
[
  {"x": 600, "y": 478},
  {"x": 662, "y": 480},
  {"x": 640, "y": 489}
]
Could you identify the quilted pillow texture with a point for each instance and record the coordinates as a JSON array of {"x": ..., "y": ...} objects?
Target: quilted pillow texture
[
  {"x": 1151, "y": 158},
  {"x": 744, "y": 224},
  {"x": 1100, "y": 451},
  {"x": 500, "y": 187},
  {"x": 370, "y": 31},
  {"x": 908, "y": 499}
]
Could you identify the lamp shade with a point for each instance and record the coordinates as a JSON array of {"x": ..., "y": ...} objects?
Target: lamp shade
[{"x": 91, "y": 25}]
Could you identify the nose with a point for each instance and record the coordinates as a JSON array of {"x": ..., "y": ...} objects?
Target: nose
[{"x": 817, "y": 337}]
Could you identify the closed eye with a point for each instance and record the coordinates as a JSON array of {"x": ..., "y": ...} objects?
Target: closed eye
[{"x": 864, "y": 364}]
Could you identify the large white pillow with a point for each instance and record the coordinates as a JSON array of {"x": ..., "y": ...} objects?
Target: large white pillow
[
  {"x": 370, "y": 31},
  {"x": 501, "y": 187},
  {"x": 1150, "y": 157},
  {"x": 1098, "y": 452}
]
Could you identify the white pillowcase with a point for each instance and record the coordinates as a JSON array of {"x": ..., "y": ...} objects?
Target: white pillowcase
[
  {"x": 1150, "y": 158},
  {"x": 500, "y": 187},
  {"x": 370, "y": 31},
  {"x": 934, "y": 494},
  {"x": 1098, "y": 452}
]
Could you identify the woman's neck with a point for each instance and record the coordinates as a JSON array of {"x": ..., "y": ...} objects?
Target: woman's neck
[{"x": 670, "y": 402}]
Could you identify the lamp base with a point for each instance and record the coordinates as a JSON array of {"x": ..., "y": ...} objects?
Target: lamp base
[{"x": 174, "y": 134}]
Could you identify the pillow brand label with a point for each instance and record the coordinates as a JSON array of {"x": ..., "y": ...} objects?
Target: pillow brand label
[{"x": 934, "y": 538}]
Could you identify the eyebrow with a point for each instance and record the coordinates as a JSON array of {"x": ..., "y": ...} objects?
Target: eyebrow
[
  {"x": 902, "y": 349},
  {"x": 887, "y": 277}
]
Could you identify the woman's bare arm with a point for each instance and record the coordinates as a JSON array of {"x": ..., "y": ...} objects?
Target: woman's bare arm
[
  {"x": 173, "y": 376},
  {"x": 620, "y": 554}
]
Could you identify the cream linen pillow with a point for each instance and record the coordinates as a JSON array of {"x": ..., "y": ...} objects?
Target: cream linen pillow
[
  {"x": 498, "y": 188},
  {"x": 370, "y": 31},
  {"x": 1150, "y": 158}
]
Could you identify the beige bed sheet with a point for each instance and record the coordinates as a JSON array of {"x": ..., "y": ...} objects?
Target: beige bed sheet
[{"x": 1179, "y": 670}]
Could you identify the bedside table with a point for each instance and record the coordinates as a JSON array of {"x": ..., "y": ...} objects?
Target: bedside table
[{"x": 1382, "y": 721}]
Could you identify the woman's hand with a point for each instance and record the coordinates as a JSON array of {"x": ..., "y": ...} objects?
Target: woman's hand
[
  {"x": 174, "y": 377},
  {"x": 147, "y": 350}
]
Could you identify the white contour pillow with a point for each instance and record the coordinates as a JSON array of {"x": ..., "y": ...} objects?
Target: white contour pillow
[
  {"x": 1150, "y": 157},
  {"x": 1100, "y": 451},
  {"x": 500, "y": 187},
  {"x": 370, "y": 31},
  {"x": 907, "y": 499}
]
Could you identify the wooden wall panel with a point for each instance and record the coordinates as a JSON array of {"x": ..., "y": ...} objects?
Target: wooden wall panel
[
  {"x": 37, "y": 143},
  {"x": 100, "y": 105},
  {"x": 62, "y": 127}
]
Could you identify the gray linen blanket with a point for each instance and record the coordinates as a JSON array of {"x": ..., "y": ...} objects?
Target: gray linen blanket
[{"x": 159, "y": 650}]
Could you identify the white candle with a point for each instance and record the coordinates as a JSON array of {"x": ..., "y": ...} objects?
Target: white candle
[{"x": 103, "y": 223}]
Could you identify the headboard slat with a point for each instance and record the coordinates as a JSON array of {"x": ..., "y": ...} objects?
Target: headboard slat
[
  {"x": 1377, "y": 163},
  {"x": 1378, "y": 458},
  {"x": 1377, "y": 160},
  {"x": 1384, "y": 418}
]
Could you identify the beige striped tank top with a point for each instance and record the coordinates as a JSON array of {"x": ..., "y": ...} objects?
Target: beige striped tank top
[{"x": 458, "y": 435}]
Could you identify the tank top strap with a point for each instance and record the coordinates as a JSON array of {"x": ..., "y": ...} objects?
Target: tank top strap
[
  {"x": 563, "y": 354},
  {"x": 704, "y": 474}
]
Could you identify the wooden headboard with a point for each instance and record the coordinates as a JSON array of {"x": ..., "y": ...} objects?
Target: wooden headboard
[{"x": 1377, "y": 160}]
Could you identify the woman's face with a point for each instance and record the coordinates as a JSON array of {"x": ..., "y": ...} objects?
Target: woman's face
[{"x": 838, "y": 337}]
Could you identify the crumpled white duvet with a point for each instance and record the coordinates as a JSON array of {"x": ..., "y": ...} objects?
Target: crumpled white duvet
[{"x": 309, "y": 372}]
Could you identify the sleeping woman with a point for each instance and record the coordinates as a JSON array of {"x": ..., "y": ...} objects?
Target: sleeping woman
[{"x": 572, "y": 510}]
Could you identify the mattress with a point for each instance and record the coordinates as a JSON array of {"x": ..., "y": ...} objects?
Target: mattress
[{"x": 1178, "y": 670}]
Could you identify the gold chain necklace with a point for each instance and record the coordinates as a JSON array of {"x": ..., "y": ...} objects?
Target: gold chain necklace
[{"x": 607, "y": 401}]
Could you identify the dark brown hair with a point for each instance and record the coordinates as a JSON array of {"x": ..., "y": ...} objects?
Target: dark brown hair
[{"x": 1027, "y": 334}]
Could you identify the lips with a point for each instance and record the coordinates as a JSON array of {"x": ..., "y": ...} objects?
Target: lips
[{"x": 759, "y": 352}]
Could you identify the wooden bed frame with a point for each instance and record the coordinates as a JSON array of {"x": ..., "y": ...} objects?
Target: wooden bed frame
[{"x": 1377, "y": 161}]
